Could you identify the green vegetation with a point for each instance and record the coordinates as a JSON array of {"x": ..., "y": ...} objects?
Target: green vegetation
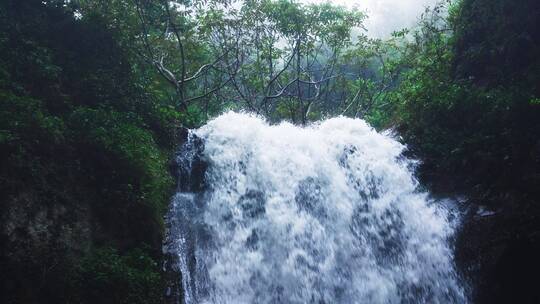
[
  {"x": 84, "y": 144},
  {"x": 470, "y": 118},
  {"x": 92, "y": 94},
  {"x": 128, "y": 278}
]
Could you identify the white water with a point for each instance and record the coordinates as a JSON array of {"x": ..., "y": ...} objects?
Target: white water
[{"x": 324, "y": 214}]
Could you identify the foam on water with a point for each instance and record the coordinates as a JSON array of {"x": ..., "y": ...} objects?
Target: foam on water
[{"x": 328, "y": 213}]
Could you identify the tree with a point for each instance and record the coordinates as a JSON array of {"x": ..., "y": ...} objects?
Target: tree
[
  {"x": 376, "y": 66},
  {"x": 276, "y": 58},
  {"x": 288, "y": 54}
]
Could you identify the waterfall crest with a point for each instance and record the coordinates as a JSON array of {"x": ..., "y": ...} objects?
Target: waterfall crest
[{"x": 329, "y": 213}]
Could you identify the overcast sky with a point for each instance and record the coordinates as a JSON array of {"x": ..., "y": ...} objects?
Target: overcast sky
[{"x": 385, "y": 16}]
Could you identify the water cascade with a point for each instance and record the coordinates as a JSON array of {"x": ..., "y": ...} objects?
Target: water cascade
[{"x": 329, "y": 213}]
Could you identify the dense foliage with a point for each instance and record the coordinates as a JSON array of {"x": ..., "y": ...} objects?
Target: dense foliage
[
  {"x": 84, "y": 144},
  {"x": 474, "y": 119}
]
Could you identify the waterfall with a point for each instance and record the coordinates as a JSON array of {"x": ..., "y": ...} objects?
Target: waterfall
[{"x": 329, "y": 213}]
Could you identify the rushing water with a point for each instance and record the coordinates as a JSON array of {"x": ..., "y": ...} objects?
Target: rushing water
[{"x": 329, "y": 213}]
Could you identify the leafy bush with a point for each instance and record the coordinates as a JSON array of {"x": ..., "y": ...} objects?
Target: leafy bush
[
  {"x": 464, "y": 122},
  {"x": 105, "y": 276}
]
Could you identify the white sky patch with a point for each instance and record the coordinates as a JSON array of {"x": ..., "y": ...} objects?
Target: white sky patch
[{"x": 385, "y": 16}]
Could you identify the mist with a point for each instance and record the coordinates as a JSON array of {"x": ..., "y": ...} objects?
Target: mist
[{"x": 385, "y": 16}]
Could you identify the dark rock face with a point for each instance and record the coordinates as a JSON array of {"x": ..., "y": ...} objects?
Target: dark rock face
[
  {"x": 189, "y": 164},
  {"x": 189, "y": 169},
  {"x": 499, "y": 253},
  {"x": 38, "y": 241},
  {"x": 497, "y": 249},
  {"x": 30, "y": 228}
]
